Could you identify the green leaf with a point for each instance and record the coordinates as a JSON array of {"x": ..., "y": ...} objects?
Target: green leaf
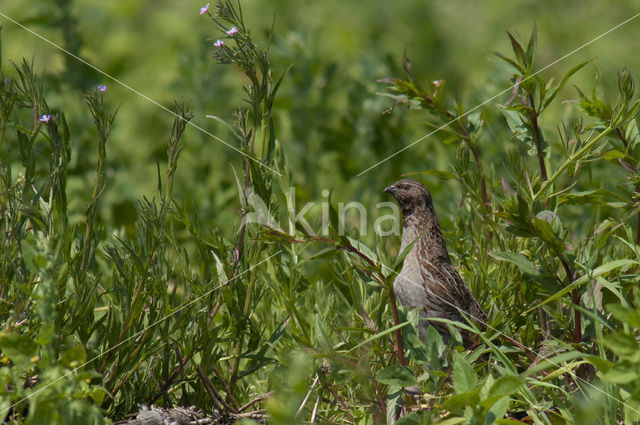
[
  {"x": 81, "y": 412},
  {"x": 43, "y": 413},
  {"x": 409, "y": 419},
  {"x": 518, "y": 127},
  {"x": 232, "y": 129},
  {"x": 629, "y": 316},
  {"x": 622, "y": 344},
  {"x": 18, "y": 348},
  {"x": 510, "y": 61},
  {"x": 599, "y": 271},
  {"x": 379, "y": 335},
  {"x": 505, "y": 385},
  {"x": 531, "y": 47},
  {"x": 587, "y": 197},
  {"x": 417, "y": 349},
  {"x": 622, "y": 373},
  {"x": 321, "y": 335},
  {"x": 519, "y": 260},
  {"x": 395, "y": 267},
  {"x": 632, "y": 134},
  {"x": 396, "y": 375},
  {"x": 517, "y": 50},
  {"x": 451, "y": 421},
  {"x": 73, "y": 357},
  {"x": 549, "y": 362},
  {"x": 551, "y": 94},
  {"x": 464, "y": 377},
  {"x": 497, "y": 410},
  {"x": 543, "y": 225}
]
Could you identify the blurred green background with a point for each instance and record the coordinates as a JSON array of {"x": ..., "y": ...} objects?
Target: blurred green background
[{"x": 330, "y": 117}]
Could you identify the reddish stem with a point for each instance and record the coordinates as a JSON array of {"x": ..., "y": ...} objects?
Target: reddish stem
[
  {"x": 398, "y": 332},
  {"x": 533, "y": 116}
]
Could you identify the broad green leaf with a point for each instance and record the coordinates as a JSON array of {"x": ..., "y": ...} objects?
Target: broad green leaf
[
  {"x": 546, "y": 224},
  {"x": 631, "y": 409},
  {"x": 517, "y": 125},
  {"x": 417, "y": 349},
  {"x": 464, "y": 377},
  {"x": 73, "y": 357},
  {"x": 600, "y": 363},
  {"x": 409, "y": 419},
  {"x": 497, "y": 411},
  {"x": 622, "y": 373},
  {"x": 396, "y": 375},
  {"x": 632, "y": 134},
  {"x": 43, "y": 413},
  {"x": 18, "y": 348},
  {"x": 81, "y": 412},
  {"x": 505, "y": 385},
  {"x": 622, "y": 344},
  {"x": 435, "y": 345},
  {"x": 629, "y": 316}
]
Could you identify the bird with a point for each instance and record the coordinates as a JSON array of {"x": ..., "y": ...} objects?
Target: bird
[{"x": 428, "y": 280}]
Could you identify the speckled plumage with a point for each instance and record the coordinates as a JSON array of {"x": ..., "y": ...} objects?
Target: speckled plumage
[{"x": 428, "y": 280}]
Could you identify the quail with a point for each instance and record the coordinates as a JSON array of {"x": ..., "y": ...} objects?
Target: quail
[{"x": 427, "y": 279}]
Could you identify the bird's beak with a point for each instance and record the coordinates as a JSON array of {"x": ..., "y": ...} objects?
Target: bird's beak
[{"x": 390, "y": 189}]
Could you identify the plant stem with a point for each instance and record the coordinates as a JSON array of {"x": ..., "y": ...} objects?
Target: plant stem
[
  {"x": 396, "y": 321},
  {"x": 240, "y": 341},
  {"x": 533, "y": 116},
  {"x": 91, "y": 212}
]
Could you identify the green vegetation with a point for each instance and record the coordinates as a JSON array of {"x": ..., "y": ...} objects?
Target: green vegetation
[{"x": 132, "y": 270}]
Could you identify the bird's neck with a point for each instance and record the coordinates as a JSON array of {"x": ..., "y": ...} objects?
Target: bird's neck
[{"x": 423, "y": 223}]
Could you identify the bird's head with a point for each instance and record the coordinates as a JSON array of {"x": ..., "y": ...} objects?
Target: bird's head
[{"x": 410, "y": 195}]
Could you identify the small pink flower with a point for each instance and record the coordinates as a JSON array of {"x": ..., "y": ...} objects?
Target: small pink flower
[
  {"x": 102, "y": 88},
  {"x": 45, "y": 118},
  {"x": 218, "y": 43},
  {"x": 232, "y": 31},
  {"x": 204, "y": 10}
]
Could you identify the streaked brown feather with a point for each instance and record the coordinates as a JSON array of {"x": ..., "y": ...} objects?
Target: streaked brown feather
[{"x": 428, "y": 279}]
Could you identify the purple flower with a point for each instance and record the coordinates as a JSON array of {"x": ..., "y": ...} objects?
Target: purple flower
[
  {"x": 218, "y": 43},
  {"x": 232, "y": 31},
  {"x": 204, "y": 10},
  {"x": 102, "y": 88},
  {"x": 45, "y": 118}
]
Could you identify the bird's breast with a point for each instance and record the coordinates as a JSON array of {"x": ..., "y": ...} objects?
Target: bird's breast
[{"x": 409, "y": 285}]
